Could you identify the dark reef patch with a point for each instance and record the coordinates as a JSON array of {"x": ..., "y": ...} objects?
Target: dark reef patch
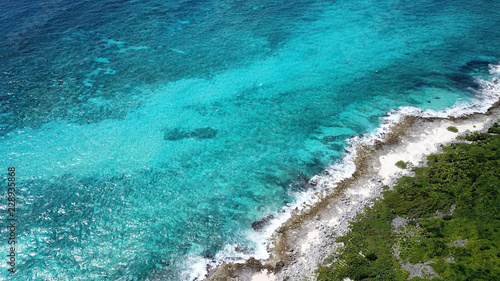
[
  {"x": 464, "y": 78},
  {"x": 338, "y": 138},
  {"x": 259, "y": 225},
  {"x": 476, "y": 66}
]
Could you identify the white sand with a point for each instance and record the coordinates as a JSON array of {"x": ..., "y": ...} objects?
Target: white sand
[
  {"x": 428, "y": 142},
  {"x": 263, "y": 276},
  {"x": 311, "y": 239}
]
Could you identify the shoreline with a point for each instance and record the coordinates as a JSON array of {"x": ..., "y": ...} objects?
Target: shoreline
[
  {"x": 313, "y": 239},
  {"x": 307, "y": 239}
]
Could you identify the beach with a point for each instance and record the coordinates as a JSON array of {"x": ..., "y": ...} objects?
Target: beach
[{"x": 307, "y": 240}]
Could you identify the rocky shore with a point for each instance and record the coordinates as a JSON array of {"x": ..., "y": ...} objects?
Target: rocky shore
[{"x": 307, "y": 240}]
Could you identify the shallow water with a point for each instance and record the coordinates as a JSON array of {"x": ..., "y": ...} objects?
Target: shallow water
[{"x": 149, "y": 136}]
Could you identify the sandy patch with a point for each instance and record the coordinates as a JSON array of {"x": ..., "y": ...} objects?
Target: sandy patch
[
  {"x": 312, "y": 239},
  {"x": 263, "y": 276},
  {"x": 413, "y": 151}
]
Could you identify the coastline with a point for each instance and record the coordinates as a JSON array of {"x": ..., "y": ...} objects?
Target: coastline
[
  {"x": 313, "y": 240},
  {"x": 307, "y": 239}
]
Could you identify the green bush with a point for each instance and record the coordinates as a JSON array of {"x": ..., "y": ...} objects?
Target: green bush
[
  {"x": 372, "y": 256},
  {"x": 452, "y": 129},
  {"x": 401, "y": 164},
  {"x": 495, "y": 129}
]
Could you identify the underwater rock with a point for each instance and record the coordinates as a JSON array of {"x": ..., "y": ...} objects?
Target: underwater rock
[
  {"x": 465, "y": 76},
  {"x": 338, "y": 138},
  {"x": 243, "y": 249},
  {"x": 259, "y": 225},
  {"x": 336, "y": 147},
  {"x": 209, "y": 254},
  {"x": 464, "y": 80},
  {"x": 204, "y": 133},
  {"x": 476, "y": 66},
  {"x": 199, "y": 134},
  {"x": 298, "y": 183},
  {"x": 174, "y": 134}
]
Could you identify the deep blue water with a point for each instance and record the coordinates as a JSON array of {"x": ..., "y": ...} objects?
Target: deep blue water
[{"x": 149, "y": 135}]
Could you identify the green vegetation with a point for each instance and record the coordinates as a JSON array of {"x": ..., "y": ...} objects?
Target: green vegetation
[
  {"x": 448, "y": 214},
  {"x": 401, "y": 164},
  {"x": 495, "y": 129},
  {"x": 452, "y": 129}
]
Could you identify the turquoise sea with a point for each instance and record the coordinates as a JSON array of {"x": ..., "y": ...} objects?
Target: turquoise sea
[{"x": 148, "y": 136}]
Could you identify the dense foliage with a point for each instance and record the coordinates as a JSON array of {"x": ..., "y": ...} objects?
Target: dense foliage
[{"x": 451, "y": 220}]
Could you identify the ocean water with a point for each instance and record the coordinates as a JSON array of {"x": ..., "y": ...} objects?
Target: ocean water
[{"x": 148, "y": 136}]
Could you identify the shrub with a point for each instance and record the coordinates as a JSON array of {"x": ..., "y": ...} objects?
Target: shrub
[
  {"x": 372, "y": 256},
  {"x": 495, "y": 129},
  {"x": 401, "y": 164},
  {"x": 452, "y": 129}
]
